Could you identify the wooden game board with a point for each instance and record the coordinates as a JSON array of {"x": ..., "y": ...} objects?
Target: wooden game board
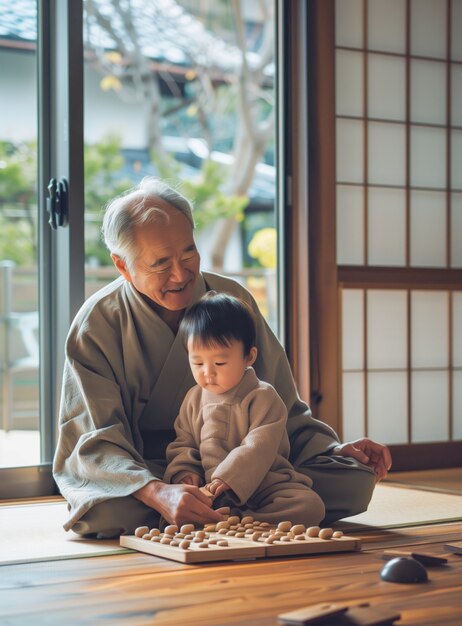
[{"x": 239, "y": 548}]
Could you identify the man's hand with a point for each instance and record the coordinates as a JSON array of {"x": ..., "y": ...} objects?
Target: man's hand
[
  {"x": 217, "y": 487},
  {"x": 178, "y": 504},
  {"x": 374, "y": 455}
]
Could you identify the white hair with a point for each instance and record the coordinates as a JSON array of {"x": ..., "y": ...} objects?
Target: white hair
[{"x": 137, "y": 206}]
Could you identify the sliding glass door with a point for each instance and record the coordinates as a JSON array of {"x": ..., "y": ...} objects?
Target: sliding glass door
[
  {"x": 19, "y": 236},
  {"x": 41, "y": 237},
  {"x": 186, "y": 91},
  {"x": 196, "y": 109}
]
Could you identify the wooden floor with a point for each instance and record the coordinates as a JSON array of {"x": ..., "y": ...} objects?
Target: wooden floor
[
  {"x": 138, "y": 589},
  {"x": 445, "y": 480}
]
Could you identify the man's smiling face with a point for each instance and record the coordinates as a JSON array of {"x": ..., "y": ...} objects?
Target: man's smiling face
[{"x": 167, "y": 262}]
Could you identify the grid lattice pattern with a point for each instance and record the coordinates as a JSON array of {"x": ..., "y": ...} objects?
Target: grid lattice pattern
[{"x": 399, "y": 206}]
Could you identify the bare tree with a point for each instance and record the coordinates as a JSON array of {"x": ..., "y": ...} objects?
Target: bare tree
[
  {"x": 127, "y": 30},
  {"x": 252, "y": 132},
  {"x": 132, "y": 67}
]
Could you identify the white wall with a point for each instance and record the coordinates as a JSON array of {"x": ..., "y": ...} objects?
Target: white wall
[
  {"x": 104, "y": 112},
  {"x": 18, "y": 101}
]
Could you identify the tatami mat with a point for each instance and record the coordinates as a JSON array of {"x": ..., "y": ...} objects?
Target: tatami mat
[
  {"x": 33, "y": 532},
  {"x": 396, "y": 507}
]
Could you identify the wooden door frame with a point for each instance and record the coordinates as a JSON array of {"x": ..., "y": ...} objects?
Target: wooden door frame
[
  {"x": 323, "y": 289},
  {"x": 313, "y": 279}
]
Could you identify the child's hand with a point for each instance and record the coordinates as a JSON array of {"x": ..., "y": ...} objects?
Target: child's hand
[
  {"x": 217, "y": 487},
  {"x": 191, "y": 479}
]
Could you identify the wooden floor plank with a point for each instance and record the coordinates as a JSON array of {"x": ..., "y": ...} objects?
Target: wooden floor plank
[
  {"x": 256, "y": 591},
  {"x": 64, "y": 571},
  {"x": 137, "y": 589}
]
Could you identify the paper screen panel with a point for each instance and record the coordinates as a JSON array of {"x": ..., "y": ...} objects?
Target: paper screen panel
[
  {"x": 430, "y": 406},
  {"x": 456, "y": 29},
  {"x": 457, "y": 329},
  {"x": 428, "y": 92},
  {"x": 428, "y": 157},
  {"x": 350, "y": 151},
  {"x": 456, "y": 230},
  {"x": 350, "y": 225},
  {"x": 387, "y": 151},
  {"x": 353, "y": 329},
  {"x": 386, "y": 226},
  {"x": 349, "y": 23},
  {"x": 456, "y": 94},
  {"x": 349, "y": 83},
  {"x": 429, "y": 329},
  {"x": 457, "y": 405},
  {"x": 456, "y": 160},
  {"x": 386, "y": 329},
  {"x": 428, "y": 229},
  {"x": 353, "y": 405},
  {"x": 387, "y": 407},
  {"x": 428, "y": 28},
  {"x": 387, "y": 25},
  {"x": 386, "y": 87}
]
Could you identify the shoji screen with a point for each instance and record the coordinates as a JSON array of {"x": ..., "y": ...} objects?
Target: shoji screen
[{"x": 399, "y": 217}]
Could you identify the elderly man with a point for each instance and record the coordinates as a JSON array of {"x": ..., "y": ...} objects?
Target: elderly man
[{"x": 127, "y": 372}]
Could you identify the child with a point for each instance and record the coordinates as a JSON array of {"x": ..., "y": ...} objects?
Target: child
[{"x": 231, "y": 430}]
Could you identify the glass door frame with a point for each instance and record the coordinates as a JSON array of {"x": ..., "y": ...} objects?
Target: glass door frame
[{"x": 61, "y": 251}]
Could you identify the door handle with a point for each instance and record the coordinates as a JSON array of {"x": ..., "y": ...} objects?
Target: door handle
[{"x": 58, "y": 203}]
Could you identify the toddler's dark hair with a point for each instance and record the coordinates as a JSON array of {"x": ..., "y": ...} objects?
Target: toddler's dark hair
[{"x": 219, "y": 318}]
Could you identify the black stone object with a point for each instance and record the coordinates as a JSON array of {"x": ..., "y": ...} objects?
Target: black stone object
[{"x": 404, "y": 570}]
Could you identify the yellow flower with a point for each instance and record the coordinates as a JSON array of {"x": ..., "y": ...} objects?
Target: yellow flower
[
  {"x": 263, "y": 247},
  {"x": 110, "y": 82},
  {"x": 113, "y": 57},
  {"x": 191, "y": 111}
]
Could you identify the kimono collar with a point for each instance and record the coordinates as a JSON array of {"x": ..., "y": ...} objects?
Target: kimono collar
[{"x": 200, "y": 288}]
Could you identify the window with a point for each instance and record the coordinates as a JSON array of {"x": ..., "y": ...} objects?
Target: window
[
  {"x": 19, "y": 236},
  {"x": 38, "y": 294},
  {"x": 185, "y": 91},
  {"x": 198, "y": 110}
]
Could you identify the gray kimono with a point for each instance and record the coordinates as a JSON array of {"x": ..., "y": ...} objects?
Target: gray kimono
[{"x": 125, "y": 377}]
